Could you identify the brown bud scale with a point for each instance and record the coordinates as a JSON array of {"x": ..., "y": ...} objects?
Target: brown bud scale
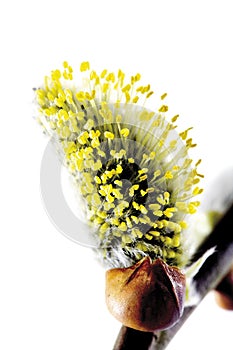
[{"x": 147, "y": 296}]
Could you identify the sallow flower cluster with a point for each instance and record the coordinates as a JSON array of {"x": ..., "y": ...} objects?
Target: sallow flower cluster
[{"x": 130, "y": 166}]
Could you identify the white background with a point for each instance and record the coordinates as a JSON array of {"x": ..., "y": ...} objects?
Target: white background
[{"x": 51, "y": 289}]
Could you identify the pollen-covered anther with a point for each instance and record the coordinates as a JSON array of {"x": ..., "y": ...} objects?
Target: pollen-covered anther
[
  {"x": 124, "y": 132},
  {"x": 109, "y": 135},
  {"x": 147, "y": 296}
]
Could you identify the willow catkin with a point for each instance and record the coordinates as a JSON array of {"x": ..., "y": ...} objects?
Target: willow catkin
[{"x": 130, "y": 166}]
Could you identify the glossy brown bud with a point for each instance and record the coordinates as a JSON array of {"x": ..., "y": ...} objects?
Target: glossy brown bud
[{"x": 147, "y": 296}]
